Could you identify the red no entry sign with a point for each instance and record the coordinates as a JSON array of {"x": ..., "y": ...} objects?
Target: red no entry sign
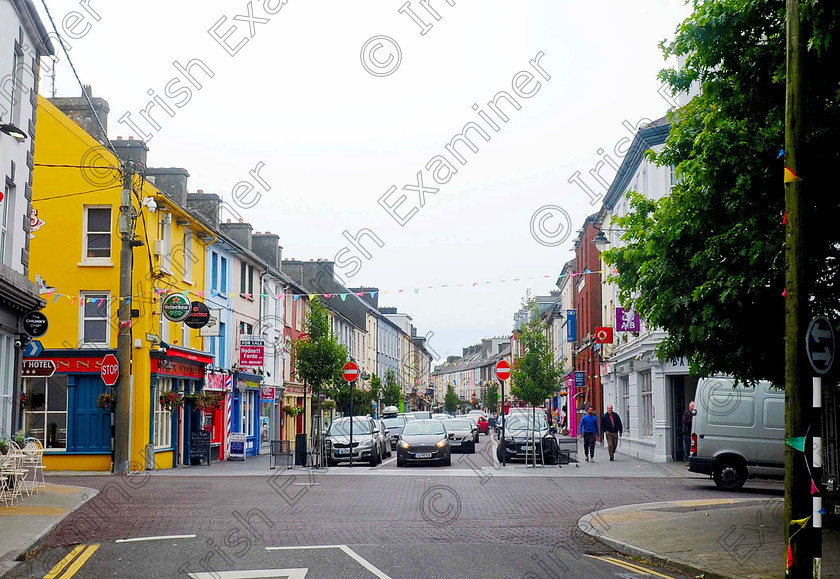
[
  {"x": 110, "y": 369},
  {"x": 502, "y": 370},
  {"x": 351, "y": 371}
]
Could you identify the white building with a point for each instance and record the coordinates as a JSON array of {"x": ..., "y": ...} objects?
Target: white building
[
  {"x": 23, "y": 41},
  {"x": 650, "y": 395}
]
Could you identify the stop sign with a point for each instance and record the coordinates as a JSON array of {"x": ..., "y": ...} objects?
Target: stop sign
[
  {"x": 502, "y": 370},
  {"x": 110, "y": 369},
  {"x": 351, "y": 371}
]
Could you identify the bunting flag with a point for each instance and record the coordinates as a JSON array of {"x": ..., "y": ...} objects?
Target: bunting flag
[
  {"x": 797, "y": 442},
  {"x": 781, "y": 153},
  {"x": 790, "y": 176},
  {"x": 373, "y": 294},
  {"x": 801, "y": 522},
  {"x": 814, "y": 489},
  {"x": 789, "y": 557},
  {"x": 343, "y": 297}
]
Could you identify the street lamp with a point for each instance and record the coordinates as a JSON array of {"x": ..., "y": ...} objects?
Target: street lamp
[
  {"x": 601, "y": 242},
  {"x": 13, "y": 131}
]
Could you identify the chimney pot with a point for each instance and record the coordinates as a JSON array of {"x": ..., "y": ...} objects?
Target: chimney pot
[
  {"x": 228, "y": 220},
  {"x": 130, "y": 138},
  {"x": 119, "y": 138},
  {"x": 201, "y": 190},
  {"x": 240, "y": 220}
]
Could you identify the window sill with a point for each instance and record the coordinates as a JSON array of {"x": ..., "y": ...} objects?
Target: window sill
[
  {"x": 95, "y": 264},
  {"x": 188, "y": 281},
  {"x": 164, "y": 449},
  {"x": 245, "y": 297}
]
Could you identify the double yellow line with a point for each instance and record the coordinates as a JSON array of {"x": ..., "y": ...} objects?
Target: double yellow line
[
  {"x": 630, "y": 566},
  {"x": 81, "y": 553}
]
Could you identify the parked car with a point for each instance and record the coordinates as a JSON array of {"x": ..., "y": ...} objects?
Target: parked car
[
  {"x": 390, "y": 412},
  {"x": 738, "y": 433},
  {"x": 368, "y": 445},
  {"x": 522, "y": 432},
  {"x": 395, "y": 426},
  {"x": 474, "y": 422},
  {"x": 385, "y": 436},
  {"x": 424, "y": 441},
  {"x": 461, "y": 433},
  {"x": 440, "y": 416},
  {"x": 421, "y": 415},
  {"x": 477, "y": 413},
  {"x": 482, "y": 423}
]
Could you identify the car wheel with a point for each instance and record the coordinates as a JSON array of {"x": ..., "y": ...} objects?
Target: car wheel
[
  {"x": 472, "y": 449},
  {"x": 500, "y": 454},
  {"x": 448, "y": 460},
  {"x": 400, "y": 462},
  {"x": 729, "y": 474},
  {"x": 331, "y": 462}
]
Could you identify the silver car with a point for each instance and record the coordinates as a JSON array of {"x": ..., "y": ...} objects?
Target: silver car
[{"x": 367, "y": 445}]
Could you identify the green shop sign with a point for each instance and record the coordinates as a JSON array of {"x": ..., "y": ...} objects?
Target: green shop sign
[{"x": 176, "y": 307}]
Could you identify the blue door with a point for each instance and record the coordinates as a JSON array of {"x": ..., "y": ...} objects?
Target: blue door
[{"x": 89, "y": 427}]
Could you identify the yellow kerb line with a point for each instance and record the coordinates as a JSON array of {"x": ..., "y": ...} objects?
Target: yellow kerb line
[
  {"x": 78, "y": 563},
  {"x": 630, "y": 566},
  {"x": 59, "y": 567}
]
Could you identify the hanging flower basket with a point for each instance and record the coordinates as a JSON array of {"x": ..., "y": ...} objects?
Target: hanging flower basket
[
  {"x": 293, "y": 411},
  {"x": 328, "y": 405},
  {"x": 207, "y": 401},
  {"x": 106, "y": 401},
  {"x": 171, "y": 400}
]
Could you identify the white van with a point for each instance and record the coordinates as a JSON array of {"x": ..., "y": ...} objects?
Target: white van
[{"x": 738, "y": 433}]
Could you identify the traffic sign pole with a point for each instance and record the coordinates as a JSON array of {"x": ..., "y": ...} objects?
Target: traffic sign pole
[
  {"x": 351, "y": 374},
  {"x": 503, "y": 374}
]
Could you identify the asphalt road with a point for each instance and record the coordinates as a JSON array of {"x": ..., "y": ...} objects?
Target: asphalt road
[{"x": 400, "y": 523}]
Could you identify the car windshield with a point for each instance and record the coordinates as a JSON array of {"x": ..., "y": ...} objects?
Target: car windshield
[
  {"x": 341, "y": 427},
  {"x": 525, "y": 422},
  {"x": 394, "y": 422},
  {"x": 458, "y": 425},
  {"x": 424, "y": 427}
]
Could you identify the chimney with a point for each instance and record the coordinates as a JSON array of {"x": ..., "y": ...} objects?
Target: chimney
[
  {"x": 206, "y": 206},
  {"x": 79, "y": 111},
  {"x": 388, "y": 310},
  {"x": 239, "y": 232},
  {"x": 172, "y": 181},
  {"x": 267, "y": 246}
]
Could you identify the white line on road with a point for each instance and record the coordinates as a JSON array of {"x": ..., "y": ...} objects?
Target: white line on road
[
  {"x": 303, "y": 548},
  {"x": 388, "y": 461},
  {"x": 254, "y": 574},
  {"x": 347, "y": 550},
  {"x": 163, "y": 538}
]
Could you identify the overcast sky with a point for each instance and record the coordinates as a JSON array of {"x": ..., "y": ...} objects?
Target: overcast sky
[{"x": 334, "y": 138}]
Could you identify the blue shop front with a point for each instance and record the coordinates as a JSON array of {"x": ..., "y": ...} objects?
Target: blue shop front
[{"x": 246, "y": 410}]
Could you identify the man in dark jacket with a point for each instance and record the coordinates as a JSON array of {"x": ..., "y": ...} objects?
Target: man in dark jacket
[
  {"x": 611, "y": 425},
  {"x": 688, "y": 418}
]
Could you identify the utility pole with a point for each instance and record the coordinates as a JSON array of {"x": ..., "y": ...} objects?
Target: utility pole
[
  {"x": 123, "y": 407},
  {"x": 797, "y": 389}
]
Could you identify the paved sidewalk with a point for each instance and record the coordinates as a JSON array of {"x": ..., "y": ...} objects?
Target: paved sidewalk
[
  {"x": 726, "y": 537},
  {"x": 24, "y": 525}
]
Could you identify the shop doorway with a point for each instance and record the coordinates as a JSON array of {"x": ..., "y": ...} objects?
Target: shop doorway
[{"x": 683, "y": 389}]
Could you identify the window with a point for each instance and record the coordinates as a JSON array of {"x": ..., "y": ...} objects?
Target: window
[
  {"x": 163, "y": 417},
  {"x": 243, "y": 285},
  {"x": 646, "y": 410},
  {"x": 248, "y": 412},
  {"x": 97, "y": 235},
  {"x": 185, "y": 335},
  {"x": 94, "y": 319},
  {"x": 17, "y": 83},
  {"x": 45, "y": 413},
  {"x": 221, "y": 359},
  {"x": 673, "y": 176},
  {"x": 214, "y": 269},
  {"x": 223, "y": 275},
  {"x": 166, "y": 242},
  {"x": 245, "y": 328},
  {"x": 8, "y": 197},
  {"x": 624, "y": 409},
  {"x": 188, "y": 255}
]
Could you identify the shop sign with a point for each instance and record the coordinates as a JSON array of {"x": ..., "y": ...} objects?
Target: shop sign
[
  {"x": 250, "y": 355},
  {"x": 251, "y": 340},
  {"x": 244, "y": 384},
  {"x": 71, "y": 365},
  {"x": 238, "y": 440},
  {"x": 214, "y": 382},
  {"x": 267, "y": 394},
  {"x": 199, "y": 316},
  {"x": 176, "y": 307},
  {"x": 213, "y": 329},
  {"x": 292, "y": 390},
  {"x": 580, "y": 378},
  {"x": 627, "y": 321},
  {"x": 37, "y": 368},
  {"x": 35, "y": 324},
  {"x": 176, "y": 369}
]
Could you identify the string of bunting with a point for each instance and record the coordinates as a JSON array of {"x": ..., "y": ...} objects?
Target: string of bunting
[
  {"x": 54, "y": 295},
  {"x": 798, "y": 443}
]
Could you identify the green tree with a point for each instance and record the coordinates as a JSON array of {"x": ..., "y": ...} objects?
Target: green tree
[
  {"x": 451, "y": 400},
  {"x": 490, "y": 399},
  {"x": 707, "y": 262},
  {"x": 319, "y": 359},
  {"x": 534, "y": 377},
  {"x": 391, "y": 392}
]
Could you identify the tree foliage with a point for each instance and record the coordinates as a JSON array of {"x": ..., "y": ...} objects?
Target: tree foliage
[
  {"x": 534, "y": 376},
  {"x": 391, "y": 392},
  {"x": 706, "y": 263},
  {"x": 451, "y": 400},
  {"x": 490, "y": 398},
  {"x": 320, "y": 358}
]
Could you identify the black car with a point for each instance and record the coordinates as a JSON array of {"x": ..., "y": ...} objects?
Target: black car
[
  {"x": 521, "y": 433},
  {"x": 424, "y": 441},
  {"x": 395, "y": 425},
  {"x": 461, "y": 434}
]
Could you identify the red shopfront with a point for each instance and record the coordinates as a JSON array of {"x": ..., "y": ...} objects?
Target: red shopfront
[{"x": 217, "y": 421}]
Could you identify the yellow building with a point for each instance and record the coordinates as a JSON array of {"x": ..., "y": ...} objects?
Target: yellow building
[{"x": 75, "y": 258}]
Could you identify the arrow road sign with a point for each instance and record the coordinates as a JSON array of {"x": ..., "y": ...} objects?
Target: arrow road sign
[
  {"x": 819, "y": 345},
  {"x": 33, "y": 349}
]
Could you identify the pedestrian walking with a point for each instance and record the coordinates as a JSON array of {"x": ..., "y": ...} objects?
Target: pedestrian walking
[
  {"x": 613, "y": 429},
  {"x": 588, "y": 430},
  {"x": 688, "y": 417}
]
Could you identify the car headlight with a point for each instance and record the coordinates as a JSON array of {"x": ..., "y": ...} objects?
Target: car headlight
[
  {"x": 404, "y": 444},
  {"x": 441, "y": 443}
]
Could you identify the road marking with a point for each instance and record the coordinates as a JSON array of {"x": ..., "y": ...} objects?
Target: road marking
[
  {"x": 363, "y": 562},
  {"x": 347, "y": 550},
  {"x": 59, "y": 567},
  {"x": 388, "y": 461},
  {"x": 299, "y": 573},
  {"x": 162, "y": 538},
  {"x": 78, "y": 563},
  {"x": 629, "y": 566}
]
